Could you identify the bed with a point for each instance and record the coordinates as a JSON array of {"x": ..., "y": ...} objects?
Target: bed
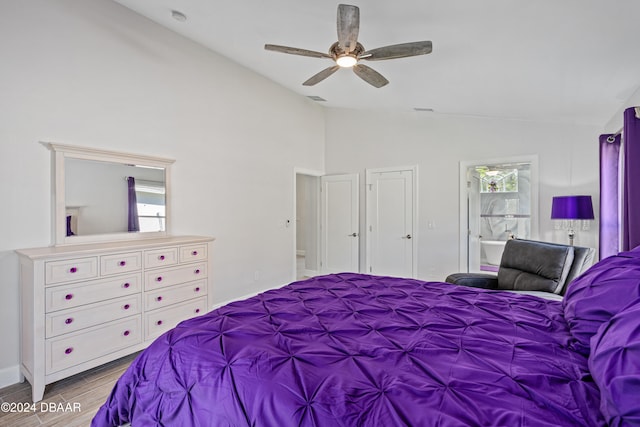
[{"x": 360, "y": 350}]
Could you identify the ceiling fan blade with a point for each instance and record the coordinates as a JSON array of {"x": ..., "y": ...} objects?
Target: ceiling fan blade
[
  {"x": 398, "y": 51},
  {"x": 348, "y": 27},
  {"x": 296, "y": 51},
  {"x": 321, "y": 76},
  {"x": 370, "y": 75}
]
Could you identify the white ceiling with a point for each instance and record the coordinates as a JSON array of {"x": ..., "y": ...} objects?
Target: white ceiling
[{"x": 550, "y": 60}]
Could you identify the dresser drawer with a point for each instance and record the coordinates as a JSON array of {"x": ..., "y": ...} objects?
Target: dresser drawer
[
  {"x": 174, "y": 294},
  {"x": 63, "y": 322},
  {"x": 160, "y": 257},
  {"x": 120, "y": 263},
  {"x": 68, "y": 296},
  {"x": 70, "y": 270},
  {"x": 159, "y": 321},
  {"x": 193, "y": 253},
  {"x": 70, "y": 350},
  {"x": 173, "y": 276}
]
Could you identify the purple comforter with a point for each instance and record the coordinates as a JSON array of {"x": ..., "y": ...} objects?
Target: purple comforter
[{"x": 357, "y": 350}]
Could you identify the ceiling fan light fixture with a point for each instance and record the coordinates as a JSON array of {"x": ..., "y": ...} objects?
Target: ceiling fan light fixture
[
  {"x": 346, "y": 61},
  {"x": 348, "y": 52}
]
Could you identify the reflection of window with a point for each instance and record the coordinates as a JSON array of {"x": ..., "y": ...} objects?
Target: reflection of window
[
  {"x": 498, "y": 180},
  {"x": 151, "y": 205}
]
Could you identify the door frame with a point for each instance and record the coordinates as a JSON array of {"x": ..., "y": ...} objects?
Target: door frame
[
  {"x": 414, "y": 221},
  {"x": 317, "y": 174},
  {"x": 473, "y": 226},
  {"x": 464, "y": 217}
]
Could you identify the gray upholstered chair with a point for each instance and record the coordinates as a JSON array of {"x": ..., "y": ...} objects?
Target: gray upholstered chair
[{"x": 539, "y": 268}]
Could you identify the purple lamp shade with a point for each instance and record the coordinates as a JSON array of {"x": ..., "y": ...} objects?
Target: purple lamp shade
[{"x": 572, "y": 207}]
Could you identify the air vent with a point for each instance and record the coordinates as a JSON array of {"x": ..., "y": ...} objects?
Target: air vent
[
  {"x": 424, "y": 110},
  {"x": 178, "y": 16},
  {"x": 317, "y": 98}
]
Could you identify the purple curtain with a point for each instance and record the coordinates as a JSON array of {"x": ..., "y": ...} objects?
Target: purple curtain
[
  {"x": 620, "y": 204},
  {"x": 609, "y": 200},
  {"x": 132, "y": 212},
  {"x": 631, "y": 191}
]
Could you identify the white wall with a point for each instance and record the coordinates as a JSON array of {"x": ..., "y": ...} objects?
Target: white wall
[
  {"x": 96, "y": 74},
  {"x": 568, "y": 164},
  {"x": 615, "y": 124}
]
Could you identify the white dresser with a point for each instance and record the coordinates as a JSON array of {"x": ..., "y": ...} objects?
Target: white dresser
[{"x": 85, "y": 305}]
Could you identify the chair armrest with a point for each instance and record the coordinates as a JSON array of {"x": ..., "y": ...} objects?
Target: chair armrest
[
  {"x": 539, "y": 294},
  {"x": 474, "y": 280}
]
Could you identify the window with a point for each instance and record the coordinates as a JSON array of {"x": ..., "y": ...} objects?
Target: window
[
  {"x": 498, "y": 180},
  {"x": 151, "y": 205}
]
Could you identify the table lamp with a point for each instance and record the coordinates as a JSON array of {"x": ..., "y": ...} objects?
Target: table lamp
[{"x": 572, "y": 208}]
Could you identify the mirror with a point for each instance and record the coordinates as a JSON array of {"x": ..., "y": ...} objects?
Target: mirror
[{"x": 104, "y": 195}]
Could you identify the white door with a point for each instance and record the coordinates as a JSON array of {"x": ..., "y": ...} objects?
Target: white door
[
  {"x": 339, "y": 224},
  {"x": 473, "y": 209},
  {"x": 391, "y": 204}
]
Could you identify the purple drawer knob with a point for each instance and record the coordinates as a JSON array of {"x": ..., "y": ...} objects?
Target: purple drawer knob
[
  {"x": 73, "y": 270},
  {"x": 68, "y": 296},
  {"x": 194, "y": 253},
  {"x": 126, "y": 306},
  {"x": 159, "y": 322},
  {"x": 159, "y": 279},
  {"x": 197, "y": 310},
  {"x": 197, "y": 289},
  {"x": 68, "y": 320},
  {"x": 126, "y": 333},
  {"x": 197, "y": 271},
  {"x": 122, "y": 263},
  {"x": 68, "y": 350},
  {"x": 161, "y": 257},
  {"x": 126, "y": 285},
  {"x": 159, "y": 298}
]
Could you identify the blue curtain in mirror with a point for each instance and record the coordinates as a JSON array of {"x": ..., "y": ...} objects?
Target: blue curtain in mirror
[{"x": 132, "y": 212}]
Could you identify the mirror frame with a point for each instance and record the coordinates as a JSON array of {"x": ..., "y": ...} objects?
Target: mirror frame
[{"x": 61, "y": 152}]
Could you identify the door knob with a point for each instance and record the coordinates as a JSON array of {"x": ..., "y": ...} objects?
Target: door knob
[
  {"x": 353, "y": 235},
  {"x": 408, "y": 236}
]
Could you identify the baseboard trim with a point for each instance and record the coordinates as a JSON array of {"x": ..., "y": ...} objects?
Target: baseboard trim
[
  {"x": 10, "y": 376},
  {"x": 241, "y": 298}
]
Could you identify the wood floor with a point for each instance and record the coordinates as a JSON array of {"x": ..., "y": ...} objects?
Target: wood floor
[{"x": 85, "y": 392}]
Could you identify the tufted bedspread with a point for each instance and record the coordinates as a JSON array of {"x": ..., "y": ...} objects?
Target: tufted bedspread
[{"x": 358, "y": 350}]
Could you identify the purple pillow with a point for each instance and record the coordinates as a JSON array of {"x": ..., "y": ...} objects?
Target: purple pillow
[
  {"x": 599, "y": 294},
  {"x": 615, "y": 367}
]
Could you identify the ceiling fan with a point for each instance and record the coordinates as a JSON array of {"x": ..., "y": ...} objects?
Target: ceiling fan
[{"x": 347, "y": 52}]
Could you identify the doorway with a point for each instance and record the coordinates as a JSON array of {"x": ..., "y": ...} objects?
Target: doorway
[
  {"x": 307, "y": 206},
  {"x": 498, "y": 202},
  {"x": 327, "y": 234}
]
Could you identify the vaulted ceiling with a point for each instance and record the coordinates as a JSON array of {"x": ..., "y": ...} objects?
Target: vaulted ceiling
[{"x": 569, "y": 60}]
